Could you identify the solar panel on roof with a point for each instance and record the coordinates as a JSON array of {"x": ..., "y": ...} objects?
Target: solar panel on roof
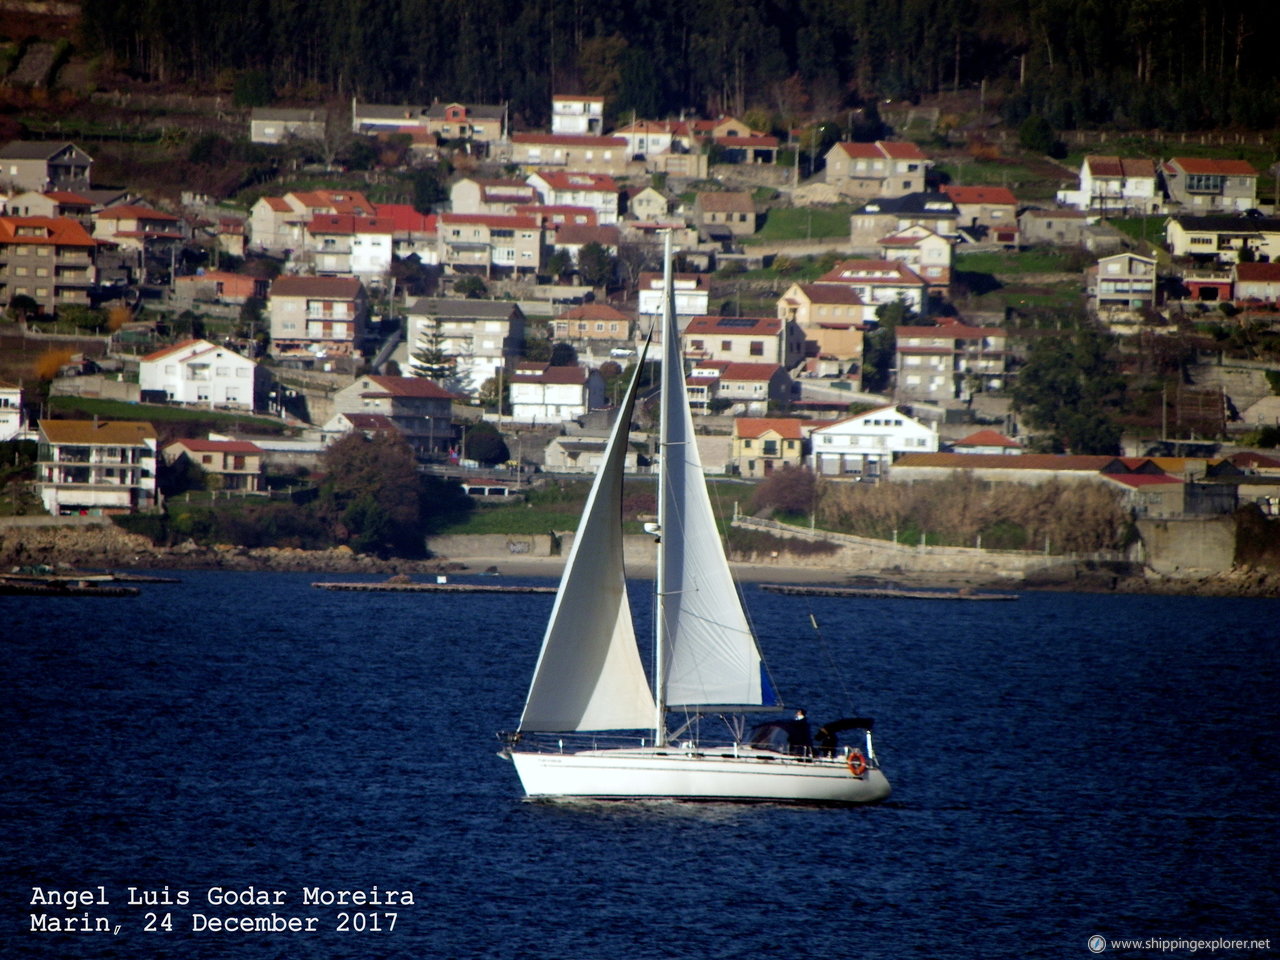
[{"x": 737, "y": 322}]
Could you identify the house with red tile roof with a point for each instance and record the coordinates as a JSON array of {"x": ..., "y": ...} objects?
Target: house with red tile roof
[
  {"x": 488, "y": 244},
  {"x": 199, "y": 372},
  {"x": 948, "y": 362},
  {"x": 764, "y": 444},
  {"x": 993, "y": 211},
  {"x": 131, "y": 226},
  {"x": 277, "y": 224},
  {"x": 1256, "y": 282},
  {"x": 342, "y": 244},
  {"x": 317, "y": 317},
  {"x": 987, "y": 441},
  {"x": 219, "y": 286},
  {"x": 562, "y": 151},
  {"x": 924, "y": 251},
  {"x": 52, "y": 203},
  {"x": 752, "y": 388},
  {"x": 417, "y": 409},
  {"x": 1200, "y": 185},
  {"x": 1112, "y": 185},
  {"x": 562, "y": 188},
  {"x": 592, "y": 322},
  {"x": 413, "y": 233},
  {"x": 52, "y": 260},
  {"x": 236, "y": 464},
  {"x": 878, "y": 282},
  {"x": 832, "y": 318},
  {"x": 541, "y": 393},
  {"x": 881, "y": 169}
]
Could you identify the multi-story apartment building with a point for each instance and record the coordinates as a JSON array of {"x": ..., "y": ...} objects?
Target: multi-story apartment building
[
  {"x": 49, "y": 259},
  {"x": 317, "y": 316},
  {"x": 950, "y": 361},
  {"x": 472, "y": 339},
  {"x": 96, "y": 466},
  {"x": 488, "y": 244},
  {"x": 420, "y": 410}
]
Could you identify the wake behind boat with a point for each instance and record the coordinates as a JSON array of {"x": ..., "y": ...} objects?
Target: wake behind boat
[{"x": 594, "y": 727}]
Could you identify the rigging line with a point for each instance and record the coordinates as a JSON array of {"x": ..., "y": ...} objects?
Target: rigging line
[{"x": 832, "y": 666}]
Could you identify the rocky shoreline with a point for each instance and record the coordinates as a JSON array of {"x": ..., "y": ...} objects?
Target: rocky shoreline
[{"x": 107, "y": 547}]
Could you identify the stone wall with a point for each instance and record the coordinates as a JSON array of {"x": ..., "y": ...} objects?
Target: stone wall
[{"x": 1192, "y": 548}]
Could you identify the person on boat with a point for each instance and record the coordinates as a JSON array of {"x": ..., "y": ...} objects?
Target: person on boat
[{"x": 801, "y": 736}]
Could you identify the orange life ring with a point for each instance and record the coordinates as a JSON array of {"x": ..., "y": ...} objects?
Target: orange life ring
[{"x": 857, "y": 762}]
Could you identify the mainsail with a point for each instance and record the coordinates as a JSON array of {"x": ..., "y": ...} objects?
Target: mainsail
[
  {"x": 709, "y": 655},
  {"x": 589, "y": 675}
]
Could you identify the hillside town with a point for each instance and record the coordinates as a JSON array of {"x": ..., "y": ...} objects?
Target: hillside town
[{"x": 530, "y": 288}]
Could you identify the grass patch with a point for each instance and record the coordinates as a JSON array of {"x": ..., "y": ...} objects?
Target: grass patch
[
  {"x": 803, "y": 223},
  {"x": 1038, "y": 260},
  {"x": 87, "y": 407}
]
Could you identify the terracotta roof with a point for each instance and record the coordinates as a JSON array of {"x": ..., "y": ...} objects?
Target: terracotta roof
[
  {"x": 66, "y": 196},
  {"x": 785, "y": 427},
  {"x": 59, "y": 231},
  {"x": 495, "y": 220},
  {"x": 418, "y": 387},
  {"x": 750, "y": 371},
  {"x": 333, "y": 288},
  {"x": 1248, "y": 458},
  {"x": 371, "y": 421},
  {"x": 573, "y": 234},
  {"x": 405, "y": 219},
  {"x": 1258, "y": 272},
  {"x": 564, "y": 180},
  {"x": 980, "y": 195},
  {"x": 544, "y": 373},
  {"x": 987, "y": 438},
  {"x": 346, "y": 223},
  {"x": 278, "y": 204},
  {"x": 114, "y": 432},
  {"x": 174, "y": 348},
  {"x": 831, "y": 293},
  {"x": 339, "y": 201},
  {"x": 1027, "y": 461},
  {"x": 763, "y": 142},
  {"x": 883, "y": 149},
  {"x": 871, "y": 271},
  {"x": 1225, "y": 168},
  {"x": 577, "y": 97},
  {"x": 737, "y": 326},
  {"x": 593, "y": 311},
  {"x": 1108, "y": 166},
  {"x": 726, "y": 201}
]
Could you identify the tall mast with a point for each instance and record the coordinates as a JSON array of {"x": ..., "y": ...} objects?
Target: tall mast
[{"x": 670, "y": 341}]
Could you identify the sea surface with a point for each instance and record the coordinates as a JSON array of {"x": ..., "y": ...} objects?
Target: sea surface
[{"x": 1063, "y": 766}]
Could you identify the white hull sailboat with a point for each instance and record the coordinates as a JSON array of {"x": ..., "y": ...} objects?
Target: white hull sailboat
[{"x": 595, "y": 728}]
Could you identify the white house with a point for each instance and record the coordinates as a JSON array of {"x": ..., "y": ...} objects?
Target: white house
[
  {"x": 197, "y": 371},
  {"x": 692, "y": 292},
  {"x": 879, "y": 282},
  {"x": 596, "y": 191},
  {"x": 541, "y": 393},
  {"x": 1115, "y": 185},
  {"x": 343, "y": 244},
  {"x": 577, "y": 115},
  {"x": 11, "y": 424},
  {"x": 96, "y": 466},
  {"x": 863, "y": 447}
]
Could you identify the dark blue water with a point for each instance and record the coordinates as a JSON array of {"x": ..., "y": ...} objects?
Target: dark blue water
[{"x": 1063, "y": 765}]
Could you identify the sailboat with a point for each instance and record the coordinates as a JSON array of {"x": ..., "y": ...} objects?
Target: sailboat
[{"x": 594, "y": 727}]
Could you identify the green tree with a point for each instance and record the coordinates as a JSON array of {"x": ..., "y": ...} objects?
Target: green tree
[
  {"x": 371, "y": 494},
  {"x": 471, "y": 286},
  {"x": 484, "y": 443},
  {"x": 563, "y": 355},
  {"x": 559, "y": 264},
  {"x": 1071, "y": 389},
  {"x": 429, "y": 359},
  {"x": 880, "y": 345},
  {"x": 595, "y": 266}
]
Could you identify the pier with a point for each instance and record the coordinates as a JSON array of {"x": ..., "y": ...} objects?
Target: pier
[
  {"x": 882, "y": 592},
  {"x": 433, "y": 588}
]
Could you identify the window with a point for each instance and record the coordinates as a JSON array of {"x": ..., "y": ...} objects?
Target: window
[
  {"x": 757, "y": 348},
  {"x": 726, "y": 345},
  {"x": 206, "y": 458}
]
